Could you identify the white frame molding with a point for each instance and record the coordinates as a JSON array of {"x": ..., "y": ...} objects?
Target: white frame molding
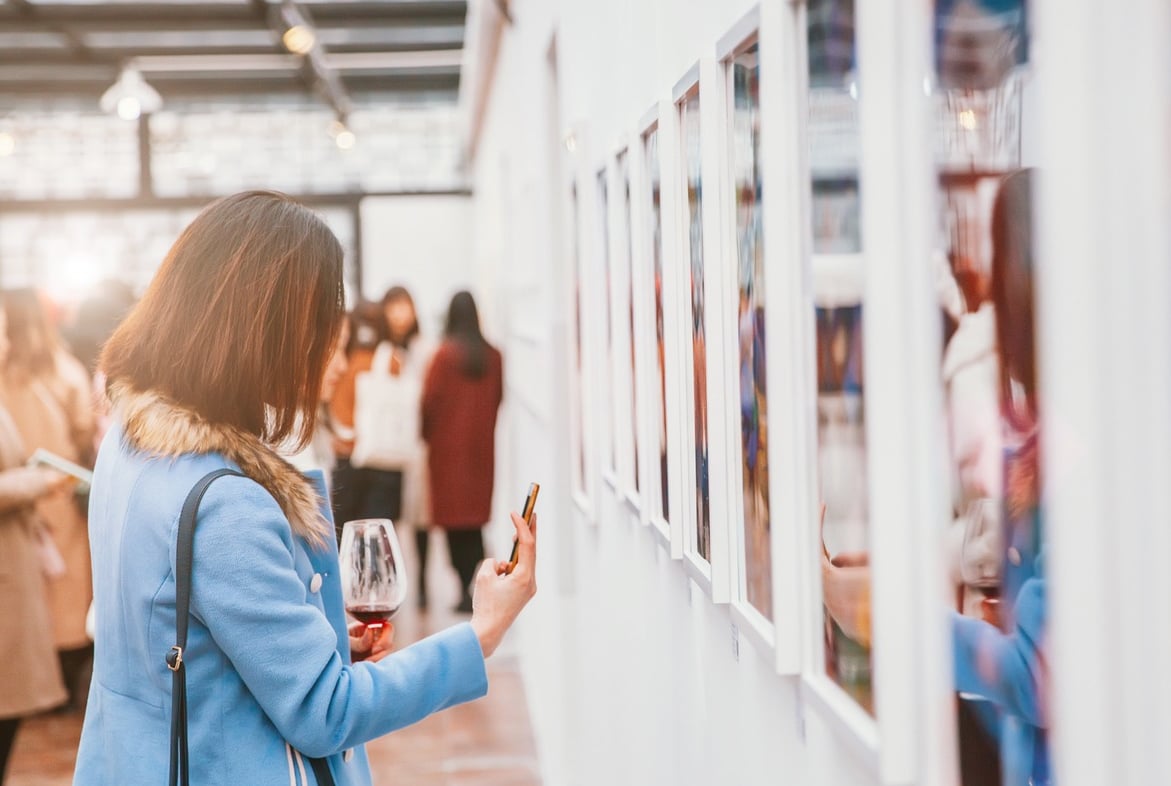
[
  {"x": 1103, "y": 327},
  {"x": 603, "y": 234},
  {"x": 858, "y": 730},
  {"x": 577, "y": 335},
  {"x": 909, "y": 506},
  {"x": 675, "y": 314},
  {"x": 758, "y": 627},
  {"x": 660, "y": 521},
  {"x": 624, "y": 297},
  {"x": 711, "y": 575}
]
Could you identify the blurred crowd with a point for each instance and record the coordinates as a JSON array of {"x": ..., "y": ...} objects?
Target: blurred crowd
[{"x": 398, "y": 408}]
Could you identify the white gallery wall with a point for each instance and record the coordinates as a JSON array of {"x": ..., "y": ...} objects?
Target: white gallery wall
[
  {"x": 633, "y": 676},
  {"x": 638, "y": 668},
  {"x": 421, "y": 242}
]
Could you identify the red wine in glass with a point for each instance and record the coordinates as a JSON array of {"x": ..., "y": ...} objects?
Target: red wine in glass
[{"x": 371, "y": 615}]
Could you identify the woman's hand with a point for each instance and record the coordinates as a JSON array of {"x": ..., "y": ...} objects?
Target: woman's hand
[
  {"x": 500, "y": 595},
  {"x": 846, "y": 593},
  {"x": 371, "y": 643}
]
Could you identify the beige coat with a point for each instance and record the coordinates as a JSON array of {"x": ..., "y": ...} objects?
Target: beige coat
[
  {"x": 30, "y": 679},
  {"x": 55, "y": 413}
]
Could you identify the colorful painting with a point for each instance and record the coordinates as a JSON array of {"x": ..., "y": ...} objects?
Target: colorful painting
[
  {"x": 690, "y": 130},
  {"x": 757, "y": 545}
]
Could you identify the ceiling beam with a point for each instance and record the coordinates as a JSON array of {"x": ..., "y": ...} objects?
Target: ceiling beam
[
  {"x": 89, "y": 87},
  {"x": 120, "y": 16}
]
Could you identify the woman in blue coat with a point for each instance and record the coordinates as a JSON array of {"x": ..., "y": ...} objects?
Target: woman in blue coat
[
  {"x": 222, "y": 359},
  {"x": 1007, "y": 664}
]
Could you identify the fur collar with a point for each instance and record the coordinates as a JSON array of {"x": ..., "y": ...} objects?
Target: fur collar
[{"x": 156, "y": 425}]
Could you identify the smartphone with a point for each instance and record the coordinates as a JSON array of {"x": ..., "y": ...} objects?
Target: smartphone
[
  {"x": 45, "y": 458},
  {"x": 526, "y": 513}
]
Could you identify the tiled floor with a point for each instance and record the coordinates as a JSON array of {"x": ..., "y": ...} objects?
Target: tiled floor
[{"x": 486, "y": 743}]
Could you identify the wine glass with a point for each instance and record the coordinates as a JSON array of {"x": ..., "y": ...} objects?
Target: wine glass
[
  {"x": 981, "y": 561},
  {"x": 373, "y": 575}
]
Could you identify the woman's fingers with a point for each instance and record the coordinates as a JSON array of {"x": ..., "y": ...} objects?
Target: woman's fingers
[{"x": 526, "y": 551}]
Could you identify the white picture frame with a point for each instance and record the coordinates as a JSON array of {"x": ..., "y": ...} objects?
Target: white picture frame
[
  {"x": 701, "y": 338},
  {"x": 652, "y": 318},
  {"x": 624, "y": 324},
  {"x": 856, "y": 729}
]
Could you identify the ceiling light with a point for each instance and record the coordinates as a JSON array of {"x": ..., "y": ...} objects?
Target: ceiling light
[
  {"x": 131, "y": 96},
  {"x": 129, "y": 108},
  {"x": 345, "y": 139},
  {"x": 7, "y": 144},
  {"x": 571, "y": 142},
  {"x": 299, "y": 39}
]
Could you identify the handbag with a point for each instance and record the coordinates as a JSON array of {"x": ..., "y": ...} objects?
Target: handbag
[
  {"x": 184, "y": 548},
  {"x": 386, "y": 415}
]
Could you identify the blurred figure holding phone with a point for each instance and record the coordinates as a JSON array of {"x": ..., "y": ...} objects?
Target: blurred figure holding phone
[
  {"x": 48, "y": 393},
  {"x": 30, "y": 679}
]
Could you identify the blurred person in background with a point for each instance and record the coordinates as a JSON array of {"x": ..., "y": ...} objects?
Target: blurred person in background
[
  {"x": 94, "y": 322},
  {"x": 461, "y": 398},
  {"x": 318, "y": 453},
  {"x": 96, "y": 318},
  {"x": 394, "y": 490},
  {"x": 47, "y": 391},
  {"x": 30, "y": 678}
]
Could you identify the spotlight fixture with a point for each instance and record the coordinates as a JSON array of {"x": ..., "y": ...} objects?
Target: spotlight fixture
[
  {"x": 7, "y": 144},
  {"x": 299, "y": 39},
  {"x": 345, "y": 139},
  {"x": 131, "y": 96}
]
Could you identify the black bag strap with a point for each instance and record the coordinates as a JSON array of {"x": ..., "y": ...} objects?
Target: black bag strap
[{"x": 180, "y": 774}]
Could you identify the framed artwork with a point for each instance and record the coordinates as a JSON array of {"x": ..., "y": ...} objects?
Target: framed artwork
[
  {"x": 750, "y": 502},
  {"x": 841, "y": 528},
  {"x": 628, "y": 355},
  {"x": 610, "y": 472},
  {"x": 661, "y": 443},
  {"x": 580, "y": 461},
  {"x": 698, "y": 542}
]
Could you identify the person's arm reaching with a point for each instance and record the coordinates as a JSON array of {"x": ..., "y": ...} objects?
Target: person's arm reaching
[
  {"x": 1008, "y": 669},
  {"x": 256, "y": 608}
]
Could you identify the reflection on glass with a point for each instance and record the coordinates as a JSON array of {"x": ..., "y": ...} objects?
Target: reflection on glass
[
  {"x": 689, "y": 125},
  {"x": 838, "y": 279},
  {"x": 579, "y": 392},
  {"x": 651, "y": 146},
  {"x": 750, "y": 320},
  {"x": 604, "y": 221},
  {"x": 984, "y": 267},
  {"x": 624, "y": 173}
]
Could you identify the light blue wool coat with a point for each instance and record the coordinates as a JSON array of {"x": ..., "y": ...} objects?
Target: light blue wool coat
[{"x": 268, "y": 659}]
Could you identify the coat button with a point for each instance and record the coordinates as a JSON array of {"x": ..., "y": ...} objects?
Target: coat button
[
  {"x": 348, "y": 755},
  {"x": 315, "y": 583}
]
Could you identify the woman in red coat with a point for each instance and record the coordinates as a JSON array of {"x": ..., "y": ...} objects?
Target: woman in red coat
[{"x": 461, "y": 397}]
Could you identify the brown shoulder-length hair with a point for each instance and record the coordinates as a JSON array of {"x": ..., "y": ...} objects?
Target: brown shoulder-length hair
[
  {"x": 1012, "y": 296},
  {"x": 240, "y": 319},
  {"x": 33, "y": 341}
]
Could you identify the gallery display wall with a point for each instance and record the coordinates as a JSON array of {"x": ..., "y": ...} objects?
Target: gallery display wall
[{"x": 749, "y": 246}]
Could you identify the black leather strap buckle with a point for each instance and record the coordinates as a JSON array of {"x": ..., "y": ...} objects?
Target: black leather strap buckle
[{"x": 175, "y": 658}]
